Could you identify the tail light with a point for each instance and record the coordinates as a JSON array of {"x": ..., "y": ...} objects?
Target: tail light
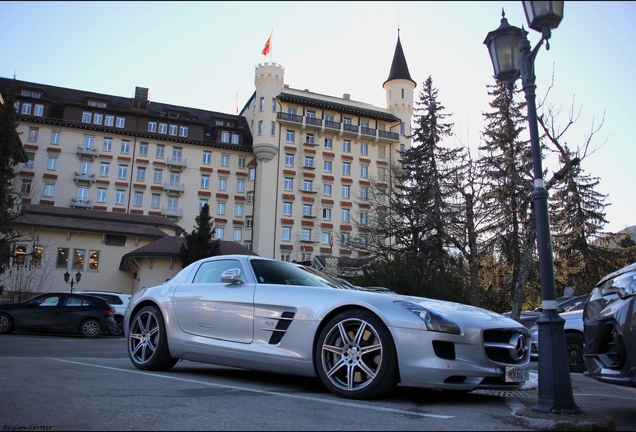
[{"x": 110, "y": 311}]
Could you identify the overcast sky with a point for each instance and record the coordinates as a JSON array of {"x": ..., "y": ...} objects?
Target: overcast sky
[{"x": 201, "y": 54}]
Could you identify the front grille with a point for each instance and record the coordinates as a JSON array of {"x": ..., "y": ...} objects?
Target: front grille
[
  {"x": 444, "y": 349},
  {"x": 282, "y": 325},
  {"x": 508, "y": 346}
]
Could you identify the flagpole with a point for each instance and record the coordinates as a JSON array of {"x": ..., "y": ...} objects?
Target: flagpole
[{"x": 270, "y": 46}]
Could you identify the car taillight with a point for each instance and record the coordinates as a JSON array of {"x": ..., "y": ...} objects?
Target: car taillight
[{"x": 110, "y": 311}]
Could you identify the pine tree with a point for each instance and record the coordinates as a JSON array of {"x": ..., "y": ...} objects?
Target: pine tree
[{"x": 199, "y": 243}]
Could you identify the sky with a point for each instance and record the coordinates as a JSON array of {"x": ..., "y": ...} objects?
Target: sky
[{"x": 204, "y": 54}]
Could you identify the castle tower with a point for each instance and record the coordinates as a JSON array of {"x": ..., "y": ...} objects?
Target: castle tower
[
  {"x": 399, "y": 88},
  {"x": 269, "y": 82}
]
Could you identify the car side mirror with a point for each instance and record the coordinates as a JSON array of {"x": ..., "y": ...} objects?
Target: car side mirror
[
  {"x": 560, "y": 310},
  {"x": 232, "y": 276}
]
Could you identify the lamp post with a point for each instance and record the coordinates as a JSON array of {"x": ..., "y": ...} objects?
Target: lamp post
[
  {"x": 512, "y": 58},
  {"x": 68, "y": 279}
]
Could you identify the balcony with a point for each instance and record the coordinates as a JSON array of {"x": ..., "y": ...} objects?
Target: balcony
[
  {"x": 349, "y": 128},
  {"x": 332, "y": 125},
  {"x": 80, "y": 176},
  {"x": 389, "y": 135},
  {"x": 86, "y": 151},
  {"x": 309, "y": 189},
  {"x": 173, "y": 186},
  {"x": 172, "y": 211},
  {"x": 312, "y": 121},
  {"x": 177, "y": 161},
  {"x": 289, "y": 118},
  {"x": 81, "y": 202},
  {"x": 311, "y": 238},
  {"x": 367, "y": 131}
]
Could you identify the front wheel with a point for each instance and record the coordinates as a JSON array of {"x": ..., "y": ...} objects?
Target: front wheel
[
  {"x": 574, "y": 347},
  {"x": 6, "y": 324},
  {"x": 90, "y": 328},
  {"x": 147, "y": 341},
  {"x": 355, "y": 356}
]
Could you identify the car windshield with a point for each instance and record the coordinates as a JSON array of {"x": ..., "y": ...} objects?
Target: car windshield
[{"x": 282, "y": 273}]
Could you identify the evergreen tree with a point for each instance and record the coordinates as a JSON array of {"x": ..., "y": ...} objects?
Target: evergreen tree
[{"x": 199, "y": 243}]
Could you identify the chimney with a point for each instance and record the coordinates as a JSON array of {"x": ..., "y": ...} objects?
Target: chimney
[
  {"x": 141, "y": 98},
  {"x": 346, "y": 96}
]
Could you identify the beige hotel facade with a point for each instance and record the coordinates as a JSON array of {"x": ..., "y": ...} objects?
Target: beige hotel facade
[{"x": 284, "y": 177}]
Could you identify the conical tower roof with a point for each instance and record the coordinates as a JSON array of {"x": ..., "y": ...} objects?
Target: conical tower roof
[{"x": 399, "y": 68}]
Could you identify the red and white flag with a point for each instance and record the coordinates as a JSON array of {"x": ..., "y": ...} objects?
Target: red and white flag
[
  {"x": 331, "y": 242},
  {"x": 302, "y": 249},
  {"x": 268, "y": 47}
]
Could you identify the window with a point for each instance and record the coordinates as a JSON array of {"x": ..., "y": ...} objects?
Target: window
[
  {"x": 156, "y": 177},
  {"x": 238, "y": 210},
  {"x": 219, "y": 233},
  {"x": 26, "y": 108},
  {"x": 172, "y": 130},
  {"x": 326, "y": 214},
  {"x": 38, "y": 110},
  {"x": 121, "y": 121},
  {"x": 160, "y": 151},
  {"x": 104, "y": 167},
  {"x": 250, "y": 198},
  {"x": 26, "y": 186},
  {"x": 344, "y": 239},
  {"x": 240, "y": 186},
  {"x": 249, "y": 222},
  {"x": 49, "y": 188},
  {"x": 122, "y": 172},
  {"x": 346, "y": 168},
  {"x": 138, "y": 199},
  {"x": 325, "y": 238},
  {"x": 309, "y": 139},
  {"x": 308, "y": 185},
  {"x": 306, "y": 234},
  {"x": 177, "y": 153},
  {"x": 260, "y": 127},
  {"x": 36, "y": 259},
  {"x": 152, "y": 126},
  {"x": 222, "y": 184},
  {"x": 238, "y": 234},
  {"x": 125, "y": 146},
  {"x": 183, "y": 131},
  {"x": 381, "y": 152},
  {"x": 86, "y": 168},
  {"x": 401, "y": 148},
  {"x": 205, "y": 181},
  {"x": 30, "y": 159},
  {"x": 286, "y": 233},
  {"x": 241, "y": 162},
  {"x": 220, "y": 208},
  {"x": 311, "y": 114},
  {"x": 326, "y": 190},
  {"x": 346, "y": 146},
  {"x": 62, "y": 257},
  {"x": 101, "y": 194},
  {"x": 33, "y": 134},
  {"x": 107, "y": 144},
  {"x": 363, "y": 193},
  {"x": 364, "y": 218},
  {"x": 78, "y": 258},
  {"x": 346, "y": 121},
  {"x": 55, "y": 137},
  {"x": 272, "y": 128},
  {"x": 402, "y": 128},
  {"x": 143, "y": 149},
  {"x": 52, "y": 164},
  {"x": 86, "y": 116},
  {"x": 163, "y": 128},
  {"x": 328, "y": 143},
  {"x": 141, "y": 173},
  {"x": 345, "y": 191},
  {"x": 307, "y": 210},
  {"x": 287, "y": 208},
  {"x": 289, "y": 159},
  {"x": 327, "y": 166},
  {"x": 273, "y": 104},
  {"x": 329, "y": 118},
  {"x": 364, "y": 149},
  {"x": 109, "y": 120},
  {"x": 291, "y": 111},
  {"x": 225, "y": 160},
  {"x": 381, "y": 174},
  {"x": 207, "y": 157},
  {"x": 309, "y": 161},
  {"x": 119, "y": 196},
  {"x": 261, "y": 105},
  {"x": 363, "y": 242},
  {"x": 345, "y": 215},
  {"x": 225, "y": 136},
  {"x": 155, "y": 199},
  {"x": 289, "y": 136},
  {"x": 288, "y": 183},
  {"x": 364, "y": 171},
  {"x": 89, "y": 142},
  {"x": 93, "y": 260},
  {"x": 98, "y": 118}
]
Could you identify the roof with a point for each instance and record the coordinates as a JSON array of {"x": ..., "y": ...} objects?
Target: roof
[
  {"x": 399, "y": 68},
  {"x": 96, "y": 221},
  {"x": 170, "y": 246}
]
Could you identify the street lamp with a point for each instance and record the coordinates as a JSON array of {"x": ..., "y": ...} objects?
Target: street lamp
[
  {"x": 511, "y": 57},
  {"x": 68, "y": 279}
]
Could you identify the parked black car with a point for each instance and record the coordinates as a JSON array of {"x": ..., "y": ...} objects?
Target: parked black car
[
  {"x": 60, "y": 313},
  {"x": 610, "y": 329}
]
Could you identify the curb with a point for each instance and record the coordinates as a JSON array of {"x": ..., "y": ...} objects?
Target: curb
[{"x": 584, "y": 421}]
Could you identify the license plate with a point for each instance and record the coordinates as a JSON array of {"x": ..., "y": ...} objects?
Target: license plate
[{"x": 517, "y": 374}]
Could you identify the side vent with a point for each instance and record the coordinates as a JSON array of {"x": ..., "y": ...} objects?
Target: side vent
[{"x": 284, "y": 321}]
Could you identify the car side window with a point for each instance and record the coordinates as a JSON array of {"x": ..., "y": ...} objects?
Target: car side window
[
  {"x": 49, "y": 301},
  {"x": 77, "y": 301},
  {"x": 211, "y": 271}
]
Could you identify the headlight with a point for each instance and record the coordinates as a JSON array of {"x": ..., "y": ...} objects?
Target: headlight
[{"x": 433, "y": 320}]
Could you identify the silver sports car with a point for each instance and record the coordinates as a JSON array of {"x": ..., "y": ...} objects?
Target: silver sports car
[{"x": 256, "y": 313}]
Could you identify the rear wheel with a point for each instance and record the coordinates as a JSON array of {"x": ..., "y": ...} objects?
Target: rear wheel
[
  {"x": 574, "y": 347},
  {"x": 91, "y": 328},
  {"x": 6, "y": 324},
  {"x": 147, "y": 341},
  {"x": 355, "y": 357},
  {"x": 119, "y": 326}
]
